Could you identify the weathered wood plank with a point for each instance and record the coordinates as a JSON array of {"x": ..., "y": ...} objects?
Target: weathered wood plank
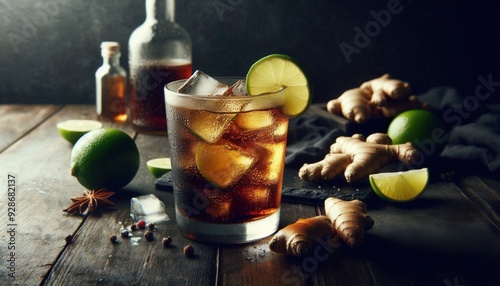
[
  {"x": 40, "y": 163},
  {"x": 17, "y": 120},
  {"x": 435, "y": 240},
  {"x": 256, "y": 264},
  {"x": 134, "y": 261},
  {"x": 92, "y": 259},
  {"x": 484, "y": 192}
]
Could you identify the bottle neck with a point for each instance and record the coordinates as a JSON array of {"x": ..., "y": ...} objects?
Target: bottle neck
[
  {"x": 111, "y": 60},
  {"x": 160, "y": 10}
]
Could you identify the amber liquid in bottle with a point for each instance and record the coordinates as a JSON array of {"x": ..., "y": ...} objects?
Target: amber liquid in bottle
[
  {"x": 115, "y": 87},
  {"x": 147, "y": 101},
  {"x": 111, "y": 85}
]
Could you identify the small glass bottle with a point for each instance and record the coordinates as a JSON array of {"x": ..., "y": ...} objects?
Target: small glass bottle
[
  {"x": 159, "y": 52},
  {"x": 111, "y": 84}
]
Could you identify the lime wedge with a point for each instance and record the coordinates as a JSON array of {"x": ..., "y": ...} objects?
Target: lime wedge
[
  {"x": 400, "y": 186},
  {"x": 272, "y": 72},
  {"x": 159, "y": 166},
  {"x": 73, "y": 129}
]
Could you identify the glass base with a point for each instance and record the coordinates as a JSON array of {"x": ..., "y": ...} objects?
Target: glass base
[{"x": 228, "y": 233}]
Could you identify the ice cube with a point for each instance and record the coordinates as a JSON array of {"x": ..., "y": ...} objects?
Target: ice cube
[
  {"x": 280, "y": 131},
  {"x": 218, "y": 202},
  {"x": 255, "y": 194},
  {"x": 148, "y": 208},
  {"x": 239, "y": 88},
  {"x": 270, "y": 165},
  {"x": 207, "y": 125},
  {"x": 223, "y": 164},
  {"x": 202, "y": 84},
  {"x": 254, "y": 120},
  {"x": 219, "y": 209},
  {"x": 184, "y": 144}
]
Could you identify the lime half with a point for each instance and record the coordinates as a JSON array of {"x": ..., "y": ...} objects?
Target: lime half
[
  {"x": 73, "y": 129},
  {"x": 159, "y": 166},
  {"x": 272, "y": 72},
  {"x": 400, "y": 186}
]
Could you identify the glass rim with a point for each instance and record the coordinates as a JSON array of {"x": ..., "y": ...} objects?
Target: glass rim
[
  {"x": 211, "y": 97},
  {"x": 230, "y": 104}
]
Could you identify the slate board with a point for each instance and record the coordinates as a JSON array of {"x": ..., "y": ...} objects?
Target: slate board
[{"x": 297, "y": 191}]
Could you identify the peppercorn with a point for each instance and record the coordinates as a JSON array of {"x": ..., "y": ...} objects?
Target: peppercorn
[
  {"x": 141, "y": 224},
  {"x": 189, "y": 250},
  {"x": 68, "y": 238},
  {"x": 149, "y": 235},
  {"x": 112, "y": 238},
  {"x": 167, "y": 241},
  {"x": 133, "y": 227},
  {"x": 151, "y": 226},
  {"x": 124, "y": 233}
]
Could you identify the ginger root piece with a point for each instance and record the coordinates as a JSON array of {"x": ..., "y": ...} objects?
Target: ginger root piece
[
  {"x": 395, "y": 107},
  {"x": 345, "y": 222},
  {"x": 386, "y": 87},
  {"x": 358, "y": 158},
  {"x": 354, "y": 104},
  {"x": 349, "y": 219},
  {"x": 298, "y": 238},
  {"x": 380, "y": 97}
]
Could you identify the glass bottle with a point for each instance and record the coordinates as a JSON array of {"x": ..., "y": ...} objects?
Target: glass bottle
[
  {"x": 111, "y": 84},
  {"x": 159, "y": 52}
]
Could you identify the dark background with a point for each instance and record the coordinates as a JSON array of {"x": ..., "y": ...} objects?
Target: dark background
[{"x": 50, "y": 49}]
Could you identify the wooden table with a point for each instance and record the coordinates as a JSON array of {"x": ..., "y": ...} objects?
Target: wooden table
[{"x": 449, "y": 236}]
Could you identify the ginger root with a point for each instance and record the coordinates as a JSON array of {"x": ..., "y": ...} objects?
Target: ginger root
[
  {"x": 349, "y": 219},
  {"x": 354, "y": 104},
  {"x": 345, "y": 221},
  {"x": 386, "y": 87},
  {"x": 380, "y": 97},
  {"x": 358, "y": 158},
  {"x": 298, "y": 238}
]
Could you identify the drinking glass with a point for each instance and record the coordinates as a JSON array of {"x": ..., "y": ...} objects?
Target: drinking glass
[{"x": 227, "y": 157}]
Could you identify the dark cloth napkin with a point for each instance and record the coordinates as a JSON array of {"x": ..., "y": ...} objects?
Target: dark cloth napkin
[
  {"x": 309, "y": 139},
  {"x": 477, "y": 142},
  {"x": 474, "y": 128}
]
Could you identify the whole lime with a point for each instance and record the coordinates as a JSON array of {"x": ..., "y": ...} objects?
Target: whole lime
[
  {"x": 417, "y": 126},
  {"x": 104, "y": 158}
]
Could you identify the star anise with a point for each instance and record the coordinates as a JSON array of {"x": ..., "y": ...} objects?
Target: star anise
[{"x": 90, "y": 201}]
